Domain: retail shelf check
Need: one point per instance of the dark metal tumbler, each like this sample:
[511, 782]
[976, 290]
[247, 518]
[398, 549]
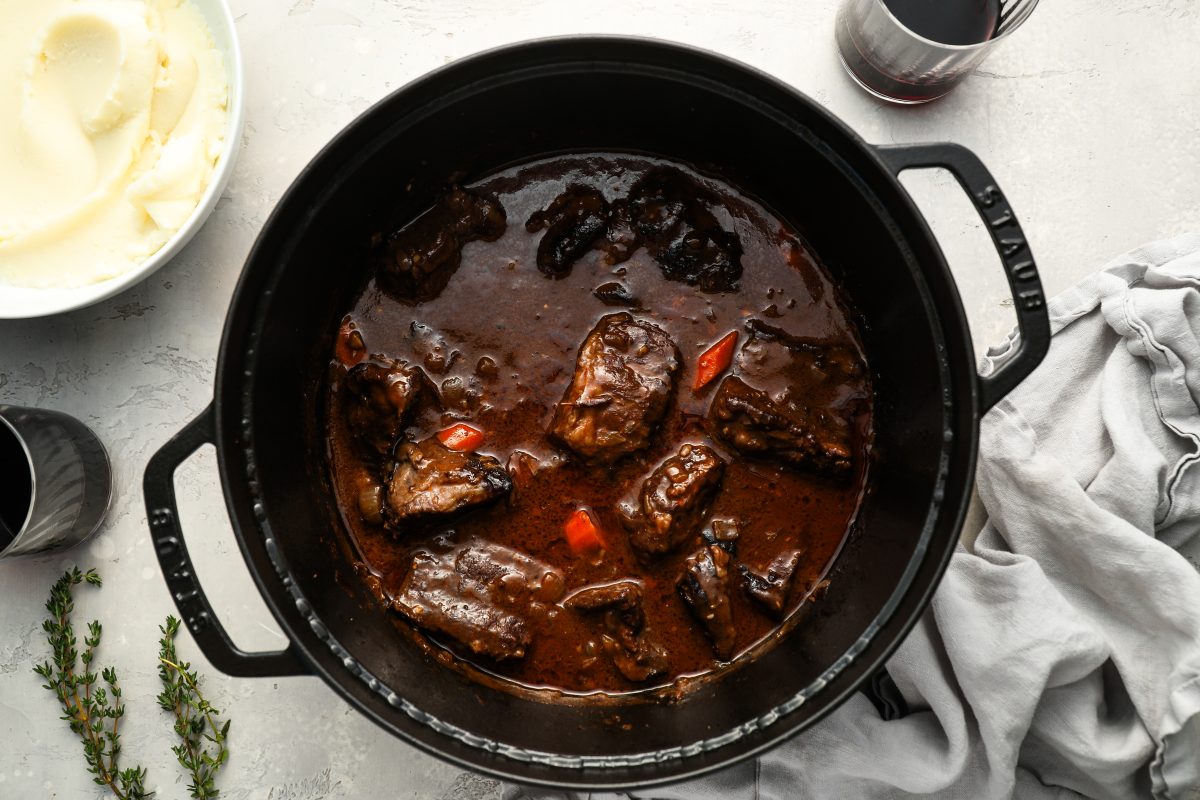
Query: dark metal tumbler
[55, 481]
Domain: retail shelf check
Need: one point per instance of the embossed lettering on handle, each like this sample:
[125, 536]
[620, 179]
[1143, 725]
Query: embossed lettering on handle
[179, 576]
[194, 608]
[1001, 223]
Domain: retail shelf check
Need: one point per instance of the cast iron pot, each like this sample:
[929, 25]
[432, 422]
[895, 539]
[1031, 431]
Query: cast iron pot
[522, 102]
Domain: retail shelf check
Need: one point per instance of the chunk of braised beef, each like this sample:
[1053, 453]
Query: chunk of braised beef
[770, 350]
[432, 596]
[383, 396]
[749, 421]
[510, 577]
[637, 657]
[623, 380]
[626, 642]
[574, 221]
[723, 533]
[673, 216]
[416, 262]
[708, 257]
[669, 213]
[772, 586]
[614, 293]
[674, 498]
[624, 596]
[773, 333]
[705, 587]
[478, 593]
[429, 480]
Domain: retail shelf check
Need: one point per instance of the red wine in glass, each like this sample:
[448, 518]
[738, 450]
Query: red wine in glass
[957, 22]
[912, 51]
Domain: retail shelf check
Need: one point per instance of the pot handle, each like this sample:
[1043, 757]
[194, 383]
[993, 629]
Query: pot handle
[158, 485]
[1032, 318]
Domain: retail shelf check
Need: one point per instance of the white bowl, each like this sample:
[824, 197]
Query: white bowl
[22, 303]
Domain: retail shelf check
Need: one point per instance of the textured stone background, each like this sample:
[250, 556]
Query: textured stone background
[1088, 117]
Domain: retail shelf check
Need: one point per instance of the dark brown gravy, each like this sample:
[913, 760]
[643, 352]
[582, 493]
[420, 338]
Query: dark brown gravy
[505, 330]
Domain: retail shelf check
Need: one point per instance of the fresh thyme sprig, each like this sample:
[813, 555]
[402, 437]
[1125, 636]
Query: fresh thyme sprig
[195, 718]
[93, 712]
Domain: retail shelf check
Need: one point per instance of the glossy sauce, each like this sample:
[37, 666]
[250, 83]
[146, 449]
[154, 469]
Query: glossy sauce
[509, 332]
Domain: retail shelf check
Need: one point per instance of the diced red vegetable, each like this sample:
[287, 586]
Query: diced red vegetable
[715, 359]
[461, 437]
[350, 347]
[581, 531]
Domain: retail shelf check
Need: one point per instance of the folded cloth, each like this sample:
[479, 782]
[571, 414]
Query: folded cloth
[1061, 654]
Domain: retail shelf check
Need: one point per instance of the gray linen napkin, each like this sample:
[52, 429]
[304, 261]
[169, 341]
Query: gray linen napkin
[1061, 654]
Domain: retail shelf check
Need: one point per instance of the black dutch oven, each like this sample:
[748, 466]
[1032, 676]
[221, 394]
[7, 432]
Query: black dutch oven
[522, 102]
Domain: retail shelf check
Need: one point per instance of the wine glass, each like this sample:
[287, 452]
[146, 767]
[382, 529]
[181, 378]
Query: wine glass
[914, 51]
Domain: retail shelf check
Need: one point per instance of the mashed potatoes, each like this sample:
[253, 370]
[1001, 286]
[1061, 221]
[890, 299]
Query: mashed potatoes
[112, 118]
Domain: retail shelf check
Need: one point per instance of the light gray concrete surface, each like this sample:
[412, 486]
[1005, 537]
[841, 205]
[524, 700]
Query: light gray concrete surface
[1087, 116]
